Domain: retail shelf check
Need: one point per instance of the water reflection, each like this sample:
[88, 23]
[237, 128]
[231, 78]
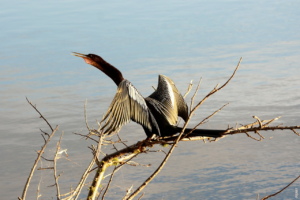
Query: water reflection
[181, 40]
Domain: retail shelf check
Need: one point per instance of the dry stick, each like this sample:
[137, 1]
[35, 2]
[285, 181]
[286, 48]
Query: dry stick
[205, 119]
[111, 177]
[217, 89]
[295, 132]
[187, 92]
[189, 89]
[100, 193]
[266, 197]
[40, 153]
[106, 162]
[82, 181]
[121, 140]
[54, 166]
[270, 121]
[177, 140]
[97, 152]
[38, 190]
[86, 122]
[41, 116]
[122, 164]
[253, 137]
[141, 196]
[45, 158]
[36, 162]
[192, 100]
[87, 171]
[44, 168]
[253, 129]
[87, 136]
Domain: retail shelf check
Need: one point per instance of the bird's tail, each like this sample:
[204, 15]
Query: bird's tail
[204, 132]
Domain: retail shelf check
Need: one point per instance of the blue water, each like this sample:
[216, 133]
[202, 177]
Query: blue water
[183, 40]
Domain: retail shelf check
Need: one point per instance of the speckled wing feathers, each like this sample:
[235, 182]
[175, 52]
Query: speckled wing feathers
[127, 104]
[168, 95]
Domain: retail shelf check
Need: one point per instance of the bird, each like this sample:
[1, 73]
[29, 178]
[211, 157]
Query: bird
[157, 113]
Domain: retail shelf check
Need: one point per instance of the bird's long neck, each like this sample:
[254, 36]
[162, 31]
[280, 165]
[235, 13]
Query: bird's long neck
[109, 70]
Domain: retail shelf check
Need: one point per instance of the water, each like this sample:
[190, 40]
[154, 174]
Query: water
[183, 40]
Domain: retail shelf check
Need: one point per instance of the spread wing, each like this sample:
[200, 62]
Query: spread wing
[170, 97]
[128, 104]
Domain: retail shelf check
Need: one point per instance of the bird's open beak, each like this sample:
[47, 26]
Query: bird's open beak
[79, 55]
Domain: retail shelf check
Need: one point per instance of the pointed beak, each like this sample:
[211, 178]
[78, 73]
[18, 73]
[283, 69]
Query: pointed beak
[79, 55]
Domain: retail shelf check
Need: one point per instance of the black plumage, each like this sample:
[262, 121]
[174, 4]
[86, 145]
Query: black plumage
[157, 114]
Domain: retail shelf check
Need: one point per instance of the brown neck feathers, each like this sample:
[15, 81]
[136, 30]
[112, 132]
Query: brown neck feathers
[109, 70]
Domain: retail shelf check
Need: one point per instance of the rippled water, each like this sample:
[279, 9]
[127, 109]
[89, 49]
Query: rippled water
[183, 40]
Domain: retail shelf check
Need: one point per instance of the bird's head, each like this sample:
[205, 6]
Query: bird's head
[102, 65]
[90, 59]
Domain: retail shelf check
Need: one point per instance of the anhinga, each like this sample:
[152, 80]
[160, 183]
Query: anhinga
[157, 114]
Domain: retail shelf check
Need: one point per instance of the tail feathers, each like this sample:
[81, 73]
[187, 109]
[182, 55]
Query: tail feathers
[205, 132]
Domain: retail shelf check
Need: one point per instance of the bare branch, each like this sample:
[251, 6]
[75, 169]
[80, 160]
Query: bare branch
[128, 191]
[87, 136]
[111, 177]
[258, 120]
[203, 121]
[192, 100]
[255, 129]
[44, 168]
[141, 196]
[252, 137]
[177, 140]
[295, 132]
[217, 89]
[266, 197]
[41, 116]
[189, 89]
[54, 166]
[36, 161]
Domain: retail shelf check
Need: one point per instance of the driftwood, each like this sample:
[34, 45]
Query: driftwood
[124, 156]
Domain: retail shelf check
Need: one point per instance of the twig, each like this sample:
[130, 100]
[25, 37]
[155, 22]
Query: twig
[54, 166]
[45, 158]
[266, 197]
[100, 193]
[44, 168]
[81, 182]
[86, 122]
[121, 140]
[128, 192]
[41, 116]
[192, 100]
[203, 121]
[258, 120]
[189, 89]
[87, 171]
[253, 129]
[141, 196]
[38, 190]
[217, 89]
[87, 136]
[252, 137]
[177, 140]
[39, 154]
[295, 132]
[111, 177]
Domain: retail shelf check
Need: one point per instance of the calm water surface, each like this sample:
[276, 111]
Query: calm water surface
[183, 40]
